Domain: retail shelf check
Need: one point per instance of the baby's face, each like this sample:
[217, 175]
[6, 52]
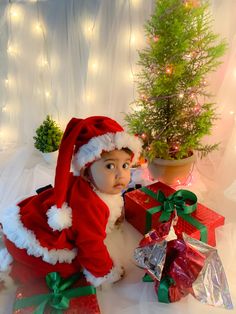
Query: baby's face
[111, 173]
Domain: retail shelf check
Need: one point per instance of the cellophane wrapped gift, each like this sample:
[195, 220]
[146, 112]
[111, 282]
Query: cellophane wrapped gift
[184, 266]
[150, 206]
[73, 295]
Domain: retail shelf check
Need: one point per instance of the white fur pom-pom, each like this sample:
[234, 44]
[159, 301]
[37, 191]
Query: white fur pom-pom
[60, 218]
[115, 274]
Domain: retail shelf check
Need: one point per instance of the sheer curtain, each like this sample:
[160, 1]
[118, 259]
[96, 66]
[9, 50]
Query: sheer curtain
[67, 58]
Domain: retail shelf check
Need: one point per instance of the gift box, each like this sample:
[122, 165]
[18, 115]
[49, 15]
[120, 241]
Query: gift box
[146, 207]
[56, 295]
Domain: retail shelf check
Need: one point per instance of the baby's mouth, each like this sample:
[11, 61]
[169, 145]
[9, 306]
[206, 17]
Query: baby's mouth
[119, 186]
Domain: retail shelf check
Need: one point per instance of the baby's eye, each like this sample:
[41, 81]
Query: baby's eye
[126, 165]
[110, 166]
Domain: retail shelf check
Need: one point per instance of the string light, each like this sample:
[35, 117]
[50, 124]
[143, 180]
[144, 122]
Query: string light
[88, 28]
[93, 66]
[13, 50]
[38, 28]
[4, 109]
[231, 112]
[42, 61]
[143, 136]
[169, 70]
[155, 38]
[181, 95]
[48, 94]
[135, 3]
[15, 14]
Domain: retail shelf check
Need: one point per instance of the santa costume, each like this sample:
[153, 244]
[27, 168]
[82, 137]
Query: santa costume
[63, 228]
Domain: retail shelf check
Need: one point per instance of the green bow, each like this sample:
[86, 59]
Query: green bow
[163, 290]
[59, 299]
[176, 201]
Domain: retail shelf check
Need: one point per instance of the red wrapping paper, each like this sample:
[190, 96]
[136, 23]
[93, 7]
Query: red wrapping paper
[183, 264]
[137, 203]
[81, 305]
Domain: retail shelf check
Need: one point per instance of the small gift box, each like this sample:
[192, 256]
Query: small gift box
[150, 206]
[73, 295]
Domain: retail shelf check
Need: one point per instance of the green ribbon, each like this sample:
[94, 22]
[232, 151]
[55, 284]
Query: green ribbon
[176, 201]
[59, 299]
[163, 289]
[147, 278]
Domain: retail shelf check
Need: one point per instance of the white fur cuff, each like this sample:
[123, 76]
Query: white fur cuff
[60, 218]
[114, 275]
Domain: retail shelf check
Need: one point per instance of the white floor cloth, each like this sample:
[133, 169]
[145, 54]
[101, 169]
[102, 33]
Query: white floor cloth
[131, 295]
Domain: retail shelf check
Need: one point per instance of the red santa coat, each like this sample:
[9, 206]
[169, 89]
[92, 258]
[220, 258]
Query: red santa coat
[37, 249]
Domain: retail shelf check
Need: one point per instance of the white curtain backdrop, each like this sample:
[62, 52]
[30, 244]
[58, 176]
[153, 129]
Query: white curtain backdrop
[78, 58]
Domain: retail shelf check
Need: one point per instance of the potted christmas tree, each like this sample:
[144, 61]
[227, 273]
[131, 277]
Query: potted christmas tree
[48, 138]
[172, 111]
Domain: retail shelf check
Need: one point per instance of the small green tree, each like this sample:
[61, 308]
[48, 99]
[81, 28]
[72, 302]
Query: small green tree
[48, 136]
[173, 111]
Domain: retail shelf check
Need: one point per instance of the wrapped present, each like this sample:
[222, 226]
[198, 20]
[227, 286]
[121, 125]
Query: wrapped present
[150, 206]
[184, 266]
[73, 295]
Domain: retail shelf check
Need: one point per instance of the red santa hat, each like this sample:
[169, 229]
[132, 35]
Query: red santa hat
[83, 142]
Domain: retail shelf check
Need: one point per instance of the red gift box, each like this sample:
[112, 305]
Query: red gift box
[200, 224]
[84, 304]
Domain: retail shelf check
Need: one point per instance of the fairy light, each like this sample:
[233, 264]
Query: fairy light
[231, 112]
[13, 50]
[4, 109]
[143, 136]
[135, 3]
[42, 61]
[89, 96]
[93, 66]
[88, 29]
[38, 28]
[48, 94]
[15, 14]
[155, 38]
[181, 95]
[169, 70]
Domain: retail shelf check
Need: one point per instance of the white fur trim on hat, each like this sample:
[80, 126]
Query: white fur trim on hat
[24, 238]
[5, 260]
[114, 275]
[60, 218]
[110, 141]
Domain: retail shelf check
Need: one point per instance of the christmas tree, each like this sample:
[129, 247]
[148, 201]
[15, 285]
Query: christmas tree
[48, 136]
[173, 111]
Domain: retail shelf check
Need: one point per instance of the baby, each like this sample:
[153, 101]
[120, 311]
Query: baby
[63, 228]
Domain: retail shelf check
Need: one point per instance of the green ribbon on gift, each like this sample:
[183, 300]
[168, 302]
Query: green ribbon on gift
[163, 289]
[175, 201]
[59, 299]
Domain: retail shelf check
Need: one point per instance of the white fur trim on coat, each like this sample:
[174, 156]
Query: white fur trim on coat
[23, 238]
[60, 218]
[110, 141]
[115, 203]
[5, 260]
[114, 275]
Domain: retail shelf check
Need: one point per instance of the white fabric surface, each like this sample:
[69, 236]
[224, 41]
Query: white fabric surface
[130, 295]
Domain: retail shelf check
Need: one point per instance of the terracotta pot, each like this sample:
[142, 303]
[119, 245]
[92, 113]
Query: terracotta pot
[172, 172]
[50, 158]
